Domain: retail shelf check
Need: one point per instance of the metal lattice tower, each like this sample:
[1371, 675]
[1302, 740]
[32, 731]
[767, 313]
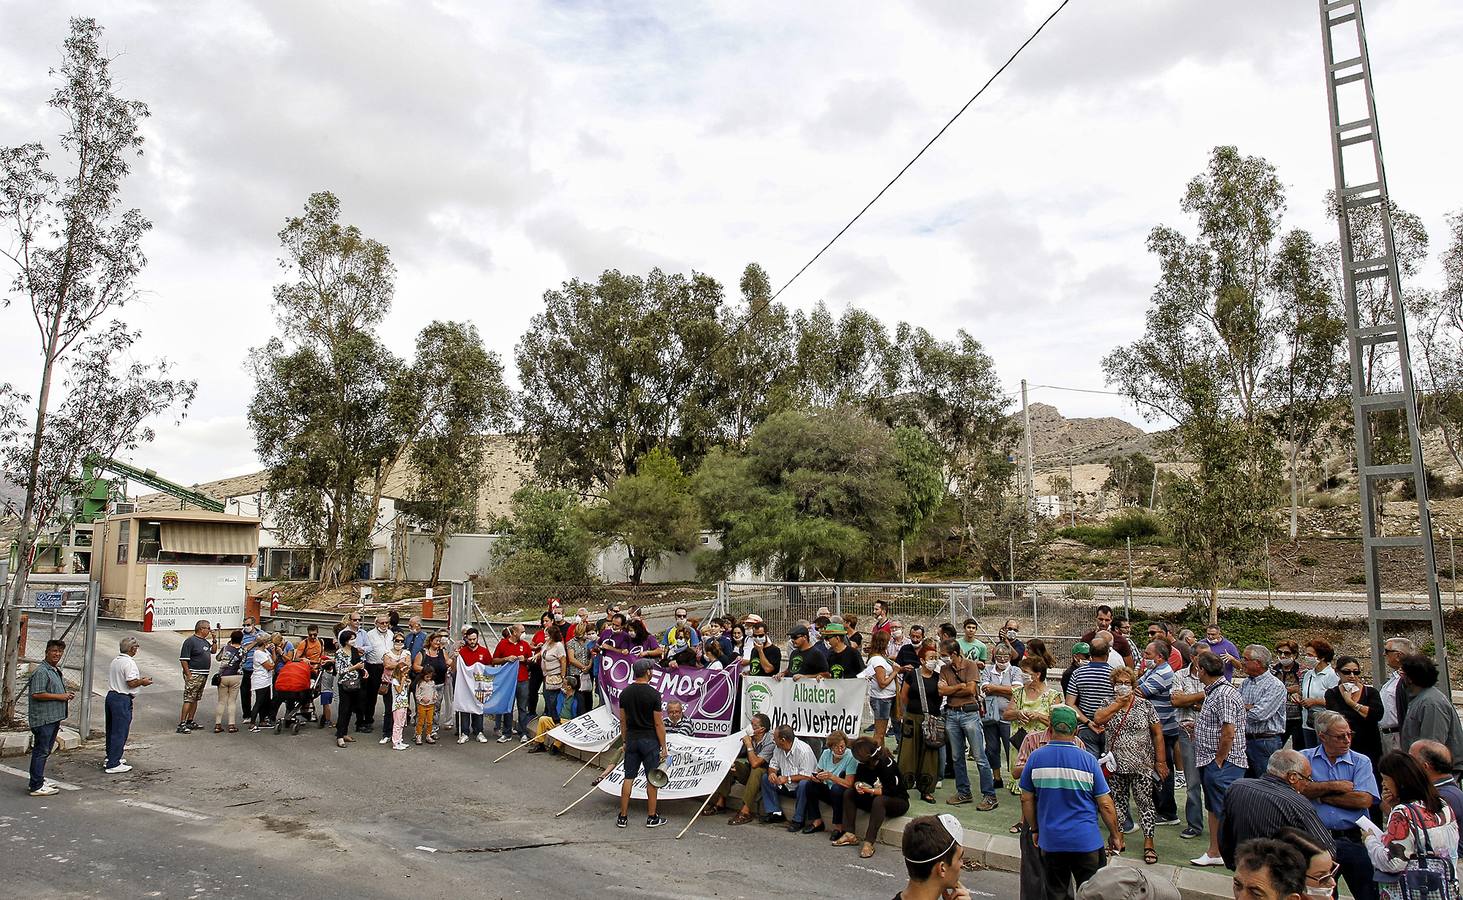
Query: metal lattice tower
[1361, 183]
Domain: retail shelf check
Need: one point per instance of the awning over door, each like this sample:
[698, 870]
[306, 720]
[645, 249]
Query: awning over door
[209, 539]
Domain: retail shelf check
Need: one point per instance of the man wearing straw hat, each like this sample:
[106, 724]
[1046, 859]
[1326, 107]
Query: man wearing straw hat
[643, 725]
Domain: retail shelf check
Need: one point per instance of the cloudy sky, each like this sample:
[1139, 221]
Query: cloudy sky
[501, 148]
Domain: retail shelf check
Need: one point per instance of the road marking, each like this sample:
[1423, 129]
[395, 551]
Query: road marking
[719, 837]
[867, 869]
[165, 810]
[428, 849]
[65, 786]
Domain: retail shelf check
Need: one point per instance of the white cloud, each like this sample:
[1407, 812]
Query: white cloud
[501, 148]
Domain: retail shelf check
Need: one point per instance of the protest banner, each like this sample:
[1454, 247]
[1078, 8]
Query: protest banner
[813, 708]
[485, 690]
[593, 731]
[696, 768]
[708, 695]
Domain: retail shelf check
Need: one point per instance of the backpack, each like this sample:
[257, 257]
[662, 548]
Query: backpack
[1428, 876]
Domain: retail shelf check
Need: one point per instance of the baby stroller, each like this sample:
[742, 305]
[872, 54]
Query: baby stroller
[292, 689]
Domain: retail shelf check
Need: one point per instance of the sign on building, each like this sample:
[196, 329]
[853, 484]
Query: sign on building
[178, 596]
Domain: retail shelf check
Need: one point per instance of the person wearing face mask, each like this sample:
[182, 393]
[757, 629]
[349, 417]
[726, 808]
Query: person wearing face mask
[919, 760]
[1286, 667]
[999, 680]
[1318, 678]
[1135, 750]
[1321, 868]
[762, 656]
[1360, 705]
[681, 640]
[1007, 637]
[250, 633]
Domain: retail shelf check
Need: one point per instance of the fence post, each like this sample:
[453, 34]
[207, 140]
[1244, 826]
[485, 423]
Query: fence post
[721, 606]
[88, 663]
[838, 600]
[1034, 595]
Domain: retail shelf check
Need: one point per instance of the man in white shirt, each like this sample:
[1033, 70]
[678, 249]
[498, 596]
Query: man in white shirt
[373, 644]
[1394, 693]
[123, 680]
[789, 772]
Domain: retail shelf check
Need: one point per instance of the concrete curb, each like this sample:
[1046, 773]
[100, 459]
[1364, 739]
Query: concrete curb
[1002, 852]
[18, 743]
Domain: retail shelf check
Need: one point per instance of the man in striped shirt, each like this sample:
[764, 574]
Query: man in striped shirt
[1062, 793]
[1261, 807]
[1089, 691]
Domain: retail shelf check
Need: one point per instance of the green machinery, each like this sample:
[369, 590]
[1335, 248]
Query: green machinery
[94, 492]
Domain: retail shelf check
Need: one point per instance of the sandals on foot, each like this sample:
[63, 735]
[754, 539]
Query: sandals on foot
[848, 840]
[1150, 856]
[866, 851]
[1015, 829]
[340, 742]
[233, 729]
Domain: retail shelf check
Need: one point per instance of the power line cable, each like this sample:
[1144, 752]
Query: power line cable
[754, 313]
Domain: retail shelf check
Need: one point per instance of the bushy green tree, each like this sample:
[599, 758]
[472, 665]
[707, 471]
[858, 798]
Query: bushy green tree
[548, 545]
[651, 512]
[816, 494]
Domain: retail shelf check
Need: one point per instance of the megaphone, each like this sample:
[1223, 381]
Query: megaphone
[659, 777]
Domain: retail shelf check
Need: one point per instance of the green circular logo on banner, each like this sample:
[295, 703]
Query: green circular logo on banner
[758, 696]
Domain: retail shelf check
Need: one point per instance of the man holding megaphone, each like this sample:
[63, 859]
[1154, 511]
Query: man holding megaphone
[643, 725]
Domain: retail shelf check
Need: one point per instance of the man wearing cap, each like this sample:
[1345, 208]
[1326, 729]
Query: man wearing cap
[1063, 792]
[1127, 883]
[643, 725]
[1080, 653]
[933, 852]
[1091, 689]
[805, 661]
[843, 661]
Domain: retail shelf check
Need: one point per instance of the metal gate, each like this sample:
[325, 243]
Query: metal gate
[61, 607]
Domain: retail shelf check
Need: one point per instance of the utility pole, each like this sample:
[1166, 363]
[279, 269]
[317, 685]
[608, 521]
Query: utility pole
[1153, 491]
[1030, 477]
[1071, 493]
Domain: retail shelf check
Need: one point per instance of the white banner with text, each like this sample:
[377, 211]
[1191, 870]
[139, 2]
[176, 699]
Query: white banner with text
[813, 708]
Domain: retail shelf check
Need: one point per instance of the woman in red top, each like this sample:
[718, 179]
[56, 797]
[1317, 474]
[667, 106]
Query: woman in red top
[513, 648]
[471, 652]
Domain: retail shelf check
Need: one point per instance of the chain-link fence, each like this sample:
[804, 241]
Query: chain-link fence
[1049, 609]
[59, 607]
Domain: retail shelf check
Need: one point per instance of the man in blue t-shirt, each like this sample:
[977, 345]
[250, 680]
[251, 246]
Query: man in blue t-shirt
[1062, 792]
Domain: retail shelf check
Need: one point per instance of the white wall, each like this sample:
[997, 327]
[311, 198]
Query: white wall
[464, 556]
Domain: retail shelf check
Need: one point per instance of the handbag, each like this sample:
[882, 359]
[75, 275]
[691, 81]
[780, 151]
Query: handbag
[1428, 876]
[932, 729]
[1108, 761]
[216, 677]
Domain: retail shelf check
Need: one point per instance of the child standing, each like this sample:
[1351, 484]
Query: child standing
[426, 709]
[327, 684]
[400, 700]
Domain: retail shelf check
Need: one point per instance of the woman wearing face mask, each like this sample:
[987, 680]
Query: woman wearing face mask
[1321, 867]
[1135, 752]
[1287, 668]
[1318, 678]
[1031, 705]
[1361, 706]
[919, 761]
[1421, 832]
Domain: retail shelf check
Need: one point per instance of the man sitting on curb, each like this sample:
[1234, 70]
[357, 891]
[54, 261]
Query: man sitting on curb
[759, 749]
[790, 772]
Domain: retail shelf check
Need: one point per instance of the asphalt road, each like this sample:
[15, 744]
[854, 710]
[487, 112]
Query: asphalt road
[209, 815]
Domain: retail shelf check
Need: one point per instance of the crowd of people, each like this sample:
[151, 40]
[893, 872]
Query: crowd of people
[1265, 739]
